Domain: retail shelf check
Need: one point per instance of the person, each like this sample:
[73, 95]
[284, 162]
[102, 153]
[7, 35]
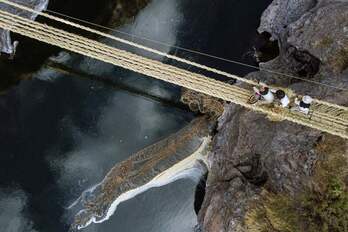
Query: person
[13, 53]
[264, 93]
[282, 98]
[304, 104]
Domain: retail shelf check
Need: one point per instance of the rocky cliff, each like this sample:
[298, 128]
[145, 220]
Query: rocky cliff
[278, 176]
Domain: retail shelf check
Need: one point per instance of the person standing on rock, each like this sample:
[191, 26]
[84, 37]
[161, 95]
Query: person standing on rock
[264, 94]
[304, 104]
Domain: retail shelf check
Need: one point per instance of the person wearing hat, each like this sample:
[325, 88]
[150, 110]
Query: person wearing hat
[304, 104]
[282, 98]
[264, 93]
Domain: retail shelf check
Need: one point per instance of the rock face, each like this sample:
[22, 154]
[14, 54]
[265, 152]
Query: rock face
[250, 153]
[280, 14]
[309, 32]
[331, 47]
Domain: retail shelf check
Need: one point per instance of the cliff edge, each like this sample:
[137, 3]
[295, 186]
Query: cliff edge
[278, 176]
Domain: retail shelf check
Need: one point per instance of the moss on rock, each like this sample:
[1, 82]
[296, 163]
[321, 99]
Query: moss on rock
[340, 62]
[321, 207]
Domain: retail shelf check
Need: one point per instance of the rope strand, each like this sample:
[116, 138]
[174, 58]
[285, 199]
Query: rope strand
[195, 52]
[154, 51]
[327, 117]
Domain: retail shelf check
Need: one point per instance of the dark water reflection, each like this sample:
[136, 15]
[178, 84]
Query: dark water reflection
[60, 135]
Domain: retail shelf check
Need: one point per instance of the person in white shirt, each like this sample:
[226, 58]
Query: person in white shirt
[304, 104]
[265, 94]
[282, 98]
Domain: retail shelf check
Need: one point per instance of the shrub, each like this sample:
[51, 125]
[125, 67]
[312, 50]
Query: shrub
[323, 208]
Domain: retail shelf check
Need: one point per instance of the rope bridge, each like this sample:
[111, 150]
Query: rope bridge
[327, 117]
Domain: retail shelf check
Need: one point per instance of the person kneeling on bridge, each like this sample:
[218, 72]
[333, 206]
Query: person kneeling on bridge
[282, 98]
[304, 104]
[264, 94]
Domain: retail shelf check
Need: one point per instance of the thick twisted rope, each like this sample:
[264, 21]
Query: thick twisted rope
[151, 50]
[160, 71]
[136, 45]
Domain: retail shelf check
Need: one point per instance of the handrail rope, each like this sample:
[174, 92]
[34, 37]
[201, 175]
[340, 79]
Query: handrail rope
[83, 40]
[165, 54]
[129, 43]
[146, 48]
[330, 129]
[63, 33]
[194, 51]
[211, 91]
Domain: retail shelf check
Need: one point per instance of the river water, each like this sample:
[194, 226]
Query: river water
[60, 134]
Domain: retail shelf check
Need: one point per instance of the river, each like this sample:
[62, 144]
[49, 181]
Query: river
[60, 134]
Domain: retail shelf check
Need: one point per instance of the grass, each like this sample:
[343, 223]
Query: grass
[340, 62]
[325, 42]
[323, 208]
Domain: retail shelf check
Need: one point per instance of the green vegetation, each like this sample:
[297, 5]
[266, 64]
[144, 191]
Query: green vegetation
[327, 211]
[340, 62]
[321, 208]
[325, 42]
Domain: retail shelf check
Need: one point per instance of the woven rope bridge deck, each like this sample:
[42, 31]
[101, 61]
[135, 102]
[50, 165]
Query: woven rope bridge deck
[327, 117]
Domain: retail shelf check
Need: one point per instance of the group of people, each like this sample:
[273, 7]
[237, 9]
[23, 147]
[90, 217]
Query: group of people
[266, 95]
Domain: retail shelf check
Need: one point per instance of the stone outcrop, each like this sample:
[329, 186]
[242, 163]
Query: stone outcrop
[309, 32]
[324, 34]
[250, 151]
[280, 14]
[252, 154]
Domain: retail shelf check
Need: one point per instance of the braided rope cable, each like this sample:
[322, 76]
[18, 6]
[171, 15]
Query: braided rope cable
[124, 41]
[196, 82]
[151, 50]
[79, 38]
